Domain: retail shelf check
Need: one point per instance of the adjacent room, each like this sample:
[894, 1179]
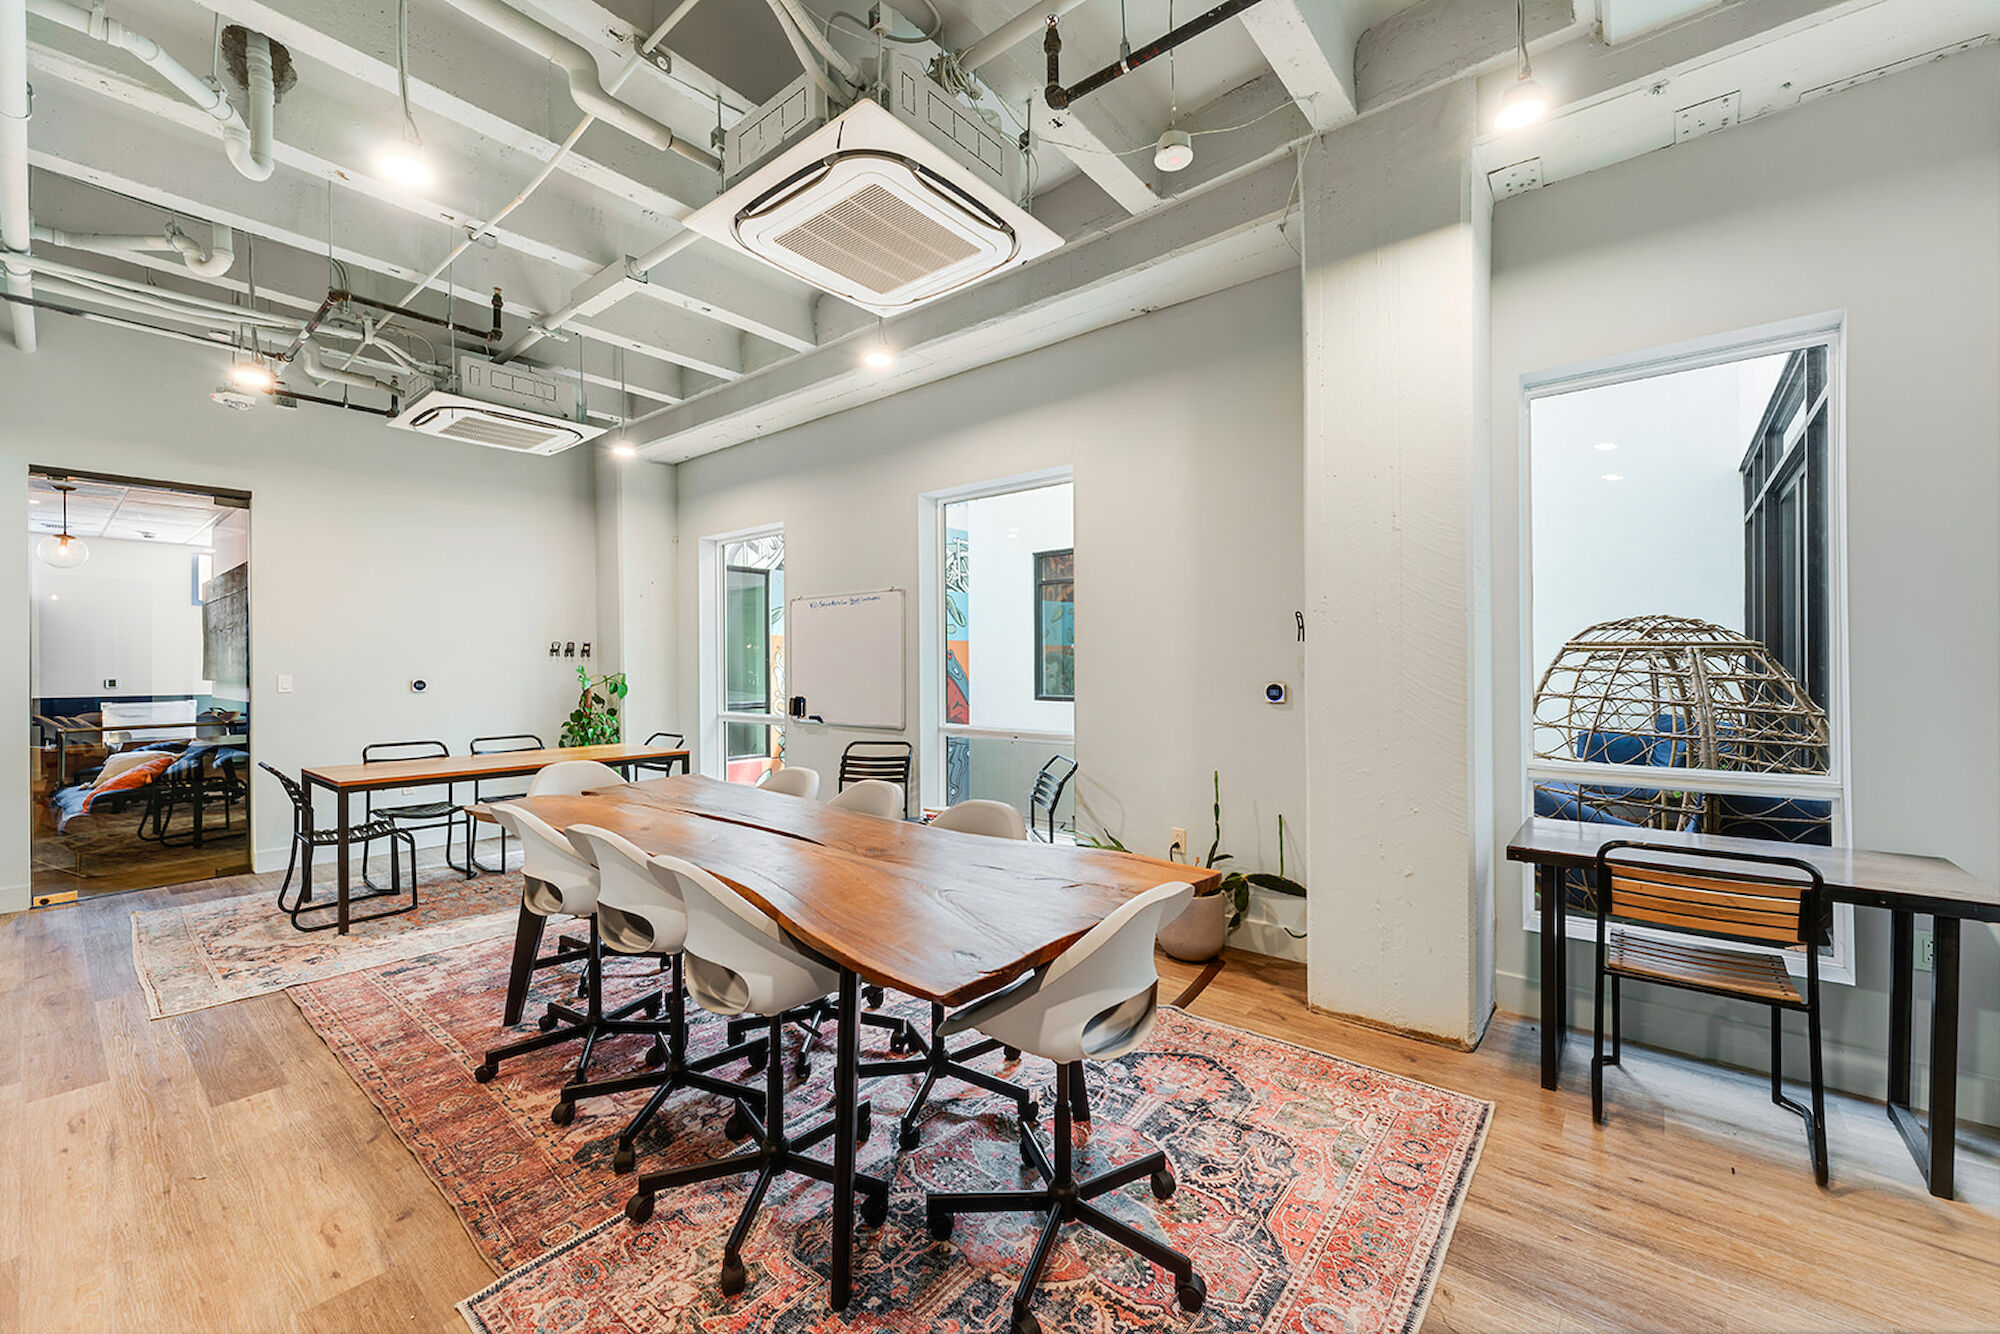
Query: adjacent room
[970, 667]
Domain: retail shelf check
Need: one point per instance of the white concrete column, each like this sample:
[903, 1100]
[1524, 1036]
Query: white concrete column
[1396, 383]
[637, 547]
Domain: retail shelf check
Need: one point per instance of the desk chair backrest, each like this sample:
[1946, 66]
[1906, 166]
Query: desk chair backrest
[573, 778]
[888, 761]
[497, 745]
[637, 912]
[1762, 900]
[1047, 793]
[558, 880]
[793, 780]
[993, 819]
[870, 796]
[302, 811]
[739, 961]
[674, 739]
[387, 752]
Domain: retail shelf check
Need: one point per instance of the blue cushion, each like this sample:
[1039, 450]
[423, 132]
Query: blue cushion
[1779, 819]
[1614, 748]
[1564, 801]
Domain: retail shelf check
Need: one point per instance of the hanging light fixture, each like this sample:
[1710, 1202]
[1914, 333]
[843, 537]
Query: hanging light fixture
[404, 163]
[1525, 101]
[64, 552]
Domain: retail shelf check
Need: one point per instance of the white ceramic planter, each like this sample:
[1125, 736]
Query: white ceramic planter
[1201, 930]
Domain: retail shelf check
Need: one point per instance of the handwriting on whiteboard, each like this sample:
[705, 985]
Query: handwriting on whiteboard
[847, 600]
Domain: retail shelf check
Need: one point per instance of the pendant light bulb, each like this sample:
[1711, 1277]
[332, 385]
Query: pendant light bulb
[1523, 105]
[63, 552]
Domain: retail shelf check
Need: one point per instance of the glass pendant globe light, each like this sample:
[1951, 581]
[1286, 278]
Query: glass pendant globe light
[64, 552]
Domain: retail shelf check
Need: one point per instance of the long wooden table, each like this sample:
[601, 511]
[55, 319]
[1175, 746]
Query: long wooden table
[344, 780]
[1902, 884]
[937, 914]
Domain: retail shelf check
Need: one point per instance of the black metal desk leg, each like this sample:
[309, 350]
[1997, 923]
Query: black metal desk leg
[1902, 946]
[1944, 1057]
[846, 1086]
[340, 855]
[1548, 883]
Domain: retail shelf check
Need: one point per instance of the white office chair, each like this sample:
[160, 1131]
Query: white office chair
[989, 819]
[556, 880]
[870, 796]
[740, 962]
[640, 913]
[1096, 1001]
[992, 819]
[794, 780]
[573, 778]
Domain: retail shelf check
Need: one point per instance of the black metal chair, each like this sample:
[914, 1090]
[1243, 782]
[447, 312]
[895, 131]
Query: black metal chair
[414, 816]
[886, 761]
[1688, 895]
[202, 776]
[305, 837]
[494, 745]
[667, 766]
[1047, 793]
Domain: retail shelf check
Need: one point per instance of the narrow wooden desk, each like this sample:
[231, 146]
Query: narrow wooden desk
[1903, 884]
[344, 780]
[949, 919]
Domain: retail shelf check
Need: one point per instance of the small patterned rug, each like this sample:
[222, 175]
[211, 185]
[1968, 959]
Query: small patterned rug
[201, 954]
[1315, 1194]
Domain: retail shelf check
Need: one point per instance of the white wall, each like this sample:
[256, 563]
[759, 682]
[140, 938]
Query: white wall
[376, 557]
[1882, 202]
[1002, 535]
[127, 614]
[1183, 430]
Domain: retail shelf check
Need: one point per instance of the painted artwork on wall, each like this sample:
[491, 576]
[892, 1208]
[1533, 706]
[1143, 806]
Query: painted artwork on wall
[957, 663]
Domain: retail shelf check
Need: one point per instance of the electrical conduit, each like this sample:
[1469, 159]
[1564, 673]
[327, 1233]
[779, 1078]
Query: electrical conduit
[211, 261]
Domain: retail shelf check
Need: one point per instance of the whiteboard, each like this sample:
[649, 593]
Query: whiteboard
[844, 653]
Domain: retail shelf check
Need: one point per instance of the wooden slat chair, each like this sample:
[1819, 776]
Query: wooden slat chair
[1704, 895]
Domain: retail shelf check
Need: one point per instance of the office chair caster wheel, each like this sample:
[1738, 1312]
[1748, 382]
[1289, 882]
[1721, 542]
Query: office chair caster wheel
[1163, 1187]
[1192, 1293]
[872, 996]
[563, 1112]
[738, 1125]
[899, 1042]
[1012, 1054]
[547, 1022]
[864, 1124]
[624, 1159]
[874, 1210]
[485, 1071]
[734, 1276]
[656, 1054]
[1024, 1322]
[938, 1224]
[639, 1208]
[1031, 1112]
[908, 1137]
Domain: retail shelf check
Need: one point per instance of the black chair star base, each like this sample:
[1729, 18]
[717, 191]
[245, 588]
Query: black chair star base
[673, 1074]
[562, 1023]
[305, 838]
[773, 1153]
[1066, 1200]
[903, 1035]
[936, 1062]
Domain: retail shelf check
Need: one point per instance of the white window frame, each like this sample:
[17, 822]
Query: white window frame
[932, 729]
[1828, 330]
[715, 654]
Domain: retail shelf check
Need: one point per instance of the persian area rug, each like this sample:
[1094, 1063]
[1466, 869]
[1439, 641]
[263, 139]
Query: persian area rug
[1314, 1194]
[203, 954]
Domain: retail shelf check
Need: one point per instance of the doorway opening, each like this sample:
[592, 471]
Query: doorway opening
[138, 682]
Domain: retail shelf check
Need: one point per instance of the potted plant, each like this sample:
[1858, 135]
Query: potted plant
[594, 720]
[1206, 924]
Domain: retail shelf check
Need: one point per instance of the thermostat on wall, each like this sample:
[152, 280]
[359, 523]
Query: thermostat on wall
[1276, 693]
[419, 686]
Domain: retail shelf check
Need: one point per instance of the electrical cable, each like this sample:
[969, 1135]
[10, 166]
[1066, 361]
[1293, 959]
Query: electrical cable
[1220, 129]
[411, 134]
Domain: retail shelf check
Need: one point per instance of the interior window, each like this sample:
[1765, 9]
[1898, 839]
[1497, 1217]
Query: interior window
[753, 668]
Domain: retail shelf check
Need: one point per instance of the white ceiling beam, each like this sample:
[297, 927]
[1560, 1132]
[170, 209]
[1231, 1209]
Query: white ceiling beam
[668, 86]
[1272, 122]
[1215, 240]
[1434, 42]
[640, 329]
[1310, 45]
[1092, 133]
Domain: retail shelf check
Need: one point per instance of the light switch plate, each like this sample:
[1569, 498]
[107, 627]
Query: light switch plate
[284, 685]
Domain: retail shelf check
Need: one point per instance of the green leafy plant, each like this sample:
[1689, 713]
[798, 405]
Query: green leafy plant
[1103, 838]
[1237, 884]
[594, 720]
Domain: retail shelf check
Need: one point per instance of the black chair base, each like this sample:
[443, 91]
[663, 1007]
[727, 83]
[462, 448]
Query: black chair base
[675, 1072]
[563, 1023]
[903, 1035]
[1066, 1200]
[773, 1154]
[937, 1062]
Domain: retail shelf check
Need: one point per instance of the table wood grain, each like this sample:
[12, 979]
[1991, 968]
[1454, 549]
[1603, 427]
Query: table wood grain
[498, 764]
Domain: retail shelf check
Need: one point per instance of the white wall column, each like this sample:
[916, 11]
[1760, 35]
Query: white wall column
[637, 546]
[1396, 400]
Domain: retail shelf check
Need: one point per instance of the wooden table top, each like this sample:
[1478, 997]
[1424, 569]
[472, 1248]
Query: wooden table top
[947, 917]
[1852, 875]
[499, 764]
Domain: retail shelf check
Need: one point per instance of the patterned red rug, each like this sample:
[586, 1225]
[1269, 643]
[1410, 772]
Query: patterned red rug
[1315, 1194]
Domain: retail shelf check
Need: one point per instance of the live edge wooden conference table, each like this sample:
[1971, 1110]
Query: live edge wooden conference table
[936, 914]
[344, 780]
[1901, 883]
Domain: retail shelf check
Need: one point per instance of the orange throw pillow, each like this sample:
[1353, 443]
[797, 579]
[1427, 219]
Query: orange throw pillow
[138, 776]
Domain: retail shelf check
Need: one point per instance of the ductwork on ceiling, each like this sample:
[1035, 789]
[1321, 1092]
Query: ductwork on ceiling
[210, 261]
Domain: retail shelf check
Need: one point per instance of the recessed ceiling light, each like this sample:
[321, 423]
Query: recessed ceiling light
[404, 166]
[1614, 477]
[1605, 445]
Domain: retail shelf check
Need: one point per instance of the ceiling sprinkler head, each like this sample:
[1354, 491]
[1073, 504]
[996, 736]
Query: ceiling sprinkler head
[1174, 151]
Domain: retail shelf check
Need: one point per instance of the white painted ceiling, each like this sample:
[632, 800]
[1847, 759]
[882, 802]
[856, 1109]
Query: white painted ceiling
[129, 513]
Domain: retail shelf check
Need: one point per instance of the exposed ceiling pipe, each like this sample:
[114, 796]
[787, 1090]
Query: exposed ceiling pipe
[211, 261]
[249, 146]
[172, 305]
[321, 373]
[805, 55]
[1059, 97]
[1012, 33]
[581, 67]
[635, 271]
[238, 139]
[836, 60]
[16, 226]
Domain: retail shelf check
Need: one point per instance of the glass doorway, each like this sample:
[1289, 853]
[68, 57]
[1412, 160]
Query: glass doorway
[139, 696]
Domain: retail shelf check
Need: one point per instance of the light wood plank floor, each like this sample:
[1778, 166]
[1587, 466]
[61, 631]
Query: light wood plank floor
[218, 1172]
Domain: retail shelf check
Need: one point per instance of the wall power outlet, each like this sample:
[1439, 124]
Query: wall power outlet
[1178, 847]
[1926, 952]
